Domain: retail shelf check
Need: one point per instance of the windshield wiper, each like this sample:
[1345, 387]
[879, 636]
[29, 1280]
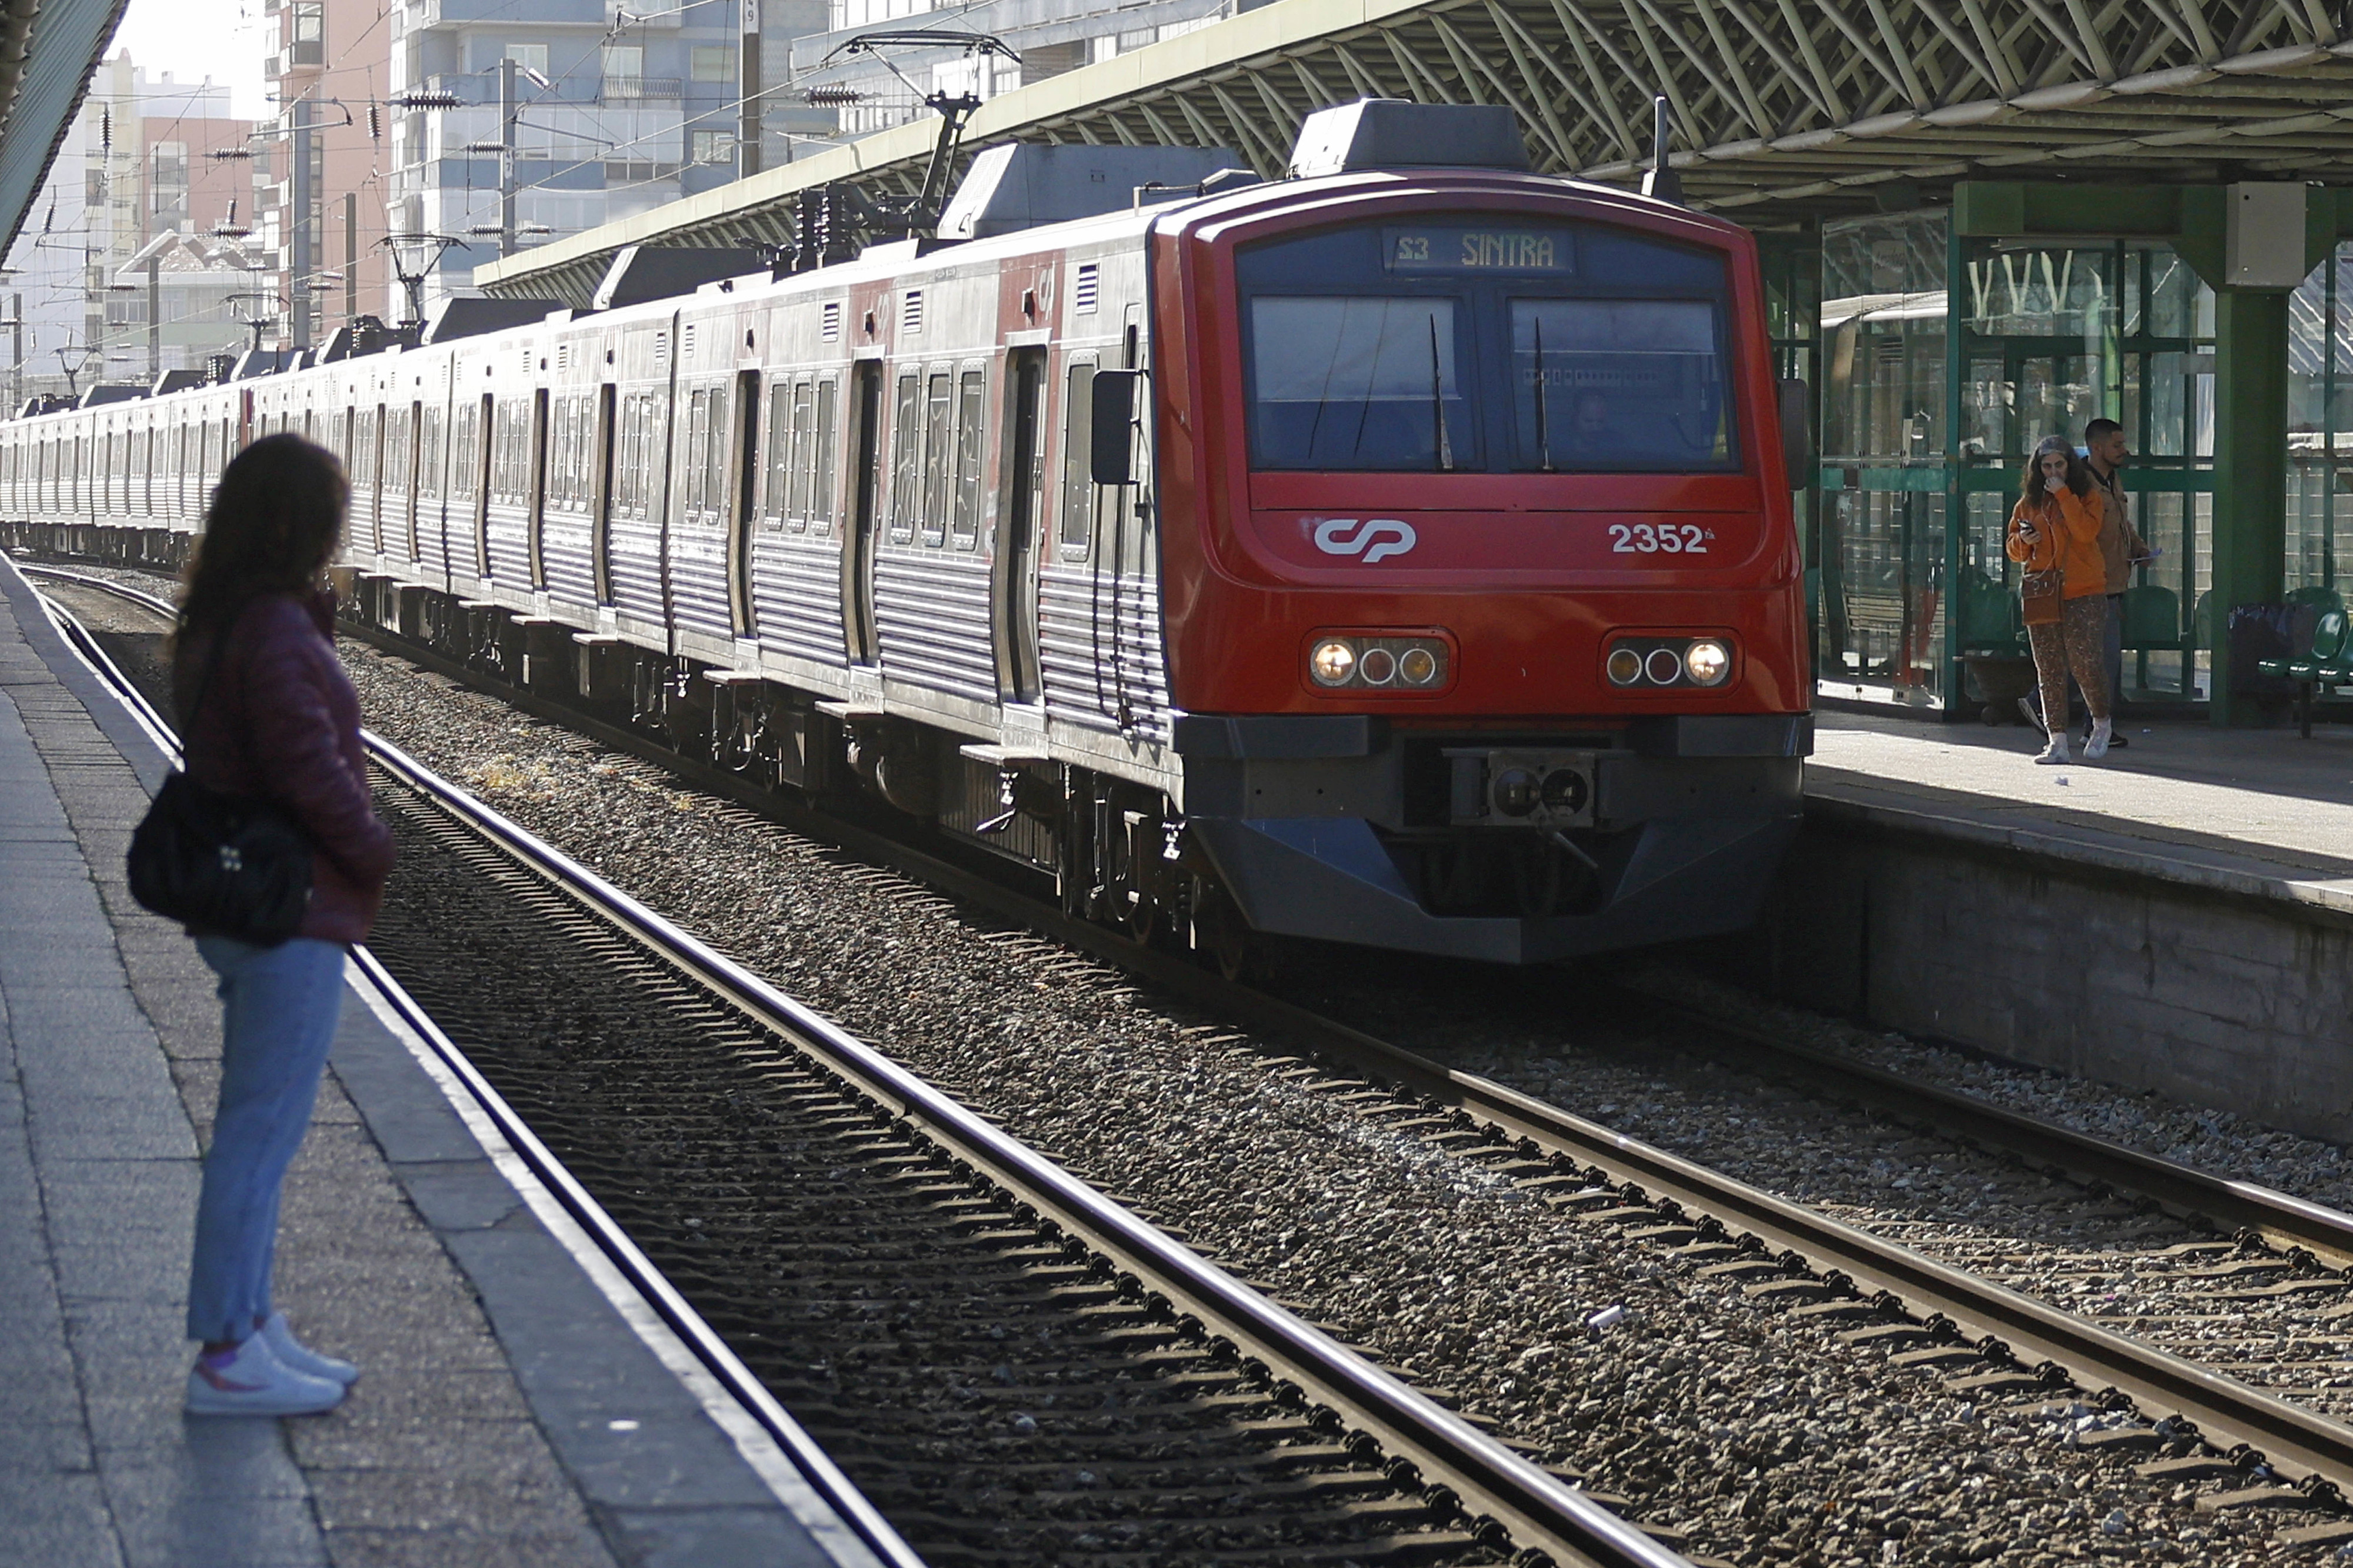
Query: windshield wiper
[1544, 424]
[1445, 453]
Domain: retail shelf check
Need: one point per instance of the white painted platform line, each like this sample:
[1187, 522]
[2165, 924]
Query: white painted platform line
[785, 1475]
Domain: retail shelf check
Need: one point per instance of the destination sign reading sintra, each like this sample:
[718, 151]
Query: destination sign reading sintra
[1547, 251]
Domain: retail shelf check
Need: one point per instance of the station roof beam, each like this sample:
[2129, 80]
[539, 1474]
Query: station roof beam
[1782, 110]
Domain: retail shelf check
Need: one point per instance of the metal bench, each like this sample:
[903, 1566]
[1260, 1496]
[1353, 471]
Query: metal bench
[2322, 666]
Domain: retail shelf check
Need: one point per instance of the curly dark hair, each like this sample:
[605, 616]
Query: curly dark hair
[275, 520]
[2079, 472]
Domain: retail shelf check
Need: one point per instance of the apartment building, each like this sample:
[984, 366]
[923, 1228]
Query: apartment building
[330, 69]
[131, 260]
[1049, 38]
[615, 111]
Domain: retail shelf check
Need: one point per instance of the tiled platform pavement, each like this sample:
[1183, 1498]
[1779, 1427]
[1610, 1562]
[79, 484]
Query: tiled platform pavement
[2237, 806]
[508, 1414]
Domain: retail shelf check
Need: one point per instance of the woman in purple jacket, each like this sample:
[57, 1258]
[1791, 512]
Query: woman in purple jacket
[268, 714]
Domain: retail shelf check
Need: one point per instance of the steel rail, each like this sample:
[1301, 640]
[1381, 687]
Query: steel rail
[816, 1468]
[1535, 1506]
[2298, 1442]
[2282, 1219]
[1485, 1477]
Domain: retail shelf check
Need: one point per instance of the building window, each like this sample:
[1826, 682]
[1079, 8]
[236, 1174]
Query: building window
[714, 63]
[624, 63]
[310, 21]
[530, 57]
[714, 147]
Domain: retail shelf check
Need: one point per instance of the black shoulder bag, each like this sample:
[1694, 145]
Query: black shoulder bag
[222, 864]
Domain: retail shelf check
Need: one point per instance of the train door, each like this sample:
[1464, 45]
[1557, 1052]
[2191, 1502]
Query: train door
[743, 500]
[479, 478]
[857, 550]
[535, 497]
[600, 535]
[1016, 553]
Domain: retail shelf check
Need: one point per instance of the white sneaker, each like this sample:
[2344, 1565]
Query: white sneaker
[2026, 708]
[2097, 746]
[248, 1381]
[2056, 751]
[295, 1356]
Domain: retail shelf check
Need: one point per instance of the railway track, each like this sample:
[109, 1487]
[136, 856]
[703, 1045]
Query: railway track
[1012, 1366]
[1997, 1342]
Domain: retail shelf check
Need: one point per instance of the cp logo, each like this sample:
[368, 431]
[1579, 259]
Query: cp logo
[1376, 540]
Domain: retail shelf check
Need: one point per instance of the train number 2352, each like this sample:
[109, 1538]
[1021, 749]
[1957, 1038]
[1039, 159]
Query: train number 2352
[1650, 539]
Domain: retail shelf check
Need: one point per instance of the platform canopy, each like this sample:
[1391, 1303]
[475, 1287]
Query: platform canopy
[48, 50]
[1781, 109]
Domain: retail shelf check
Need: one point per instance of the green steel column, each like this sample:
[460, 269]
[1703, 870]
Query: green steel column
[2250, 472]
[1953, 686]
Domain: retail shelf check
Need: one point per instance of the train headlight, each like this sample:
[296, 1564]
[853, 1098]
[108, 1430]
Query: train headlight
[1383, 663]
[1707, 662]
[1664, 666]
[1625, 667]
[1332, 661]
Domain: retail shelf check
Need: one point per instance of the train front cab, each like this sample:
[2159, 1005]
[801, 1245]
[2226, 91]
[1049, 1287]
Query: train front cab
[1450, 449]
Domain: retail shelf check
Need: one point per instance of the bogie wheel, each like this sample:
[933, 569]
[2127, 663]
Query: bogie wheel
[1221, 937]
[1143, 916]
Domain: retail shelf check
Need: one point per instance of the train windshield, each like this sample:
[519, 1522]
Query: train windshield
[1359, 381]
[1619, 384]
[1473, 342]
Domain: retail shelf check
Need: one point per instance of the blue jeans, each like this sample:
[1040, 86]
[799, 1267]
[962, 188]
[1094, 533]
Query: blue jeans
[279, 1006]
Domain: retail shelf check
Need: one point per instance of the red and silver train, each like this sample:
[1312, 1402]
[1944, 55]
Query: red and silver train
[1398, 554]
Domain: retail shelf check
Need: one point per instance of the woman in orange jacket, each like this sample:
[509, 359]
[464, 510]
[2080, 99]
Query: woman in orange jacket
[2056, 530]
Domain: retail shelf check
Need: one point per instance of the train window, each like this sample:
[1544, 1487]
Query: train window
[972, 389]
[938, 434]
[780, 428]
[1078, 443]
[583, 452]
[698, 453]
[1357, 383]
[563, 444]
[558, 455]
[510, 453]
[428, 454]
[906, 458]
[1619, 384]
[626, 470]
[802, 459]
[465, 452]
[822, 496]
[399, 456]
[364, 458]
[642, 489]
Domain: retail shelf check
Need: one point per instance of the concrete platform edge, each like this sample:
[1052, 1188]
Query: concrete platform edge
[694, 1481]
[750, 1441]
[2076, 853]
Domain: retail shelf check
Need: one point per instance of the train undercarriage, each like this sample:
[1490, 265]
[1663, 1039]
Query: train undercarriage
[1344, 833]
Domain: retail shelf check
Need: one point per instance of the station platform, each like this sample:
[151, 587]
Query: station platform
[515, 1407]
[2258, 811]
[2174, 919]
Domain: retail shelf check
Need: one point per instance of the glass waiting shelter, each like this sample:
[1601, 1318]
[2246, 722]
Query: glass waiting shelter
[1944, 360]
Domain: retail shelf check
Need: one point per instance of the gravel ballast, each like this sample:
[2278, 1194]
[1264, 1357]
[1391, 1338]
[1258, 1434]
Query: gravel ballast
[1760, 1436]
